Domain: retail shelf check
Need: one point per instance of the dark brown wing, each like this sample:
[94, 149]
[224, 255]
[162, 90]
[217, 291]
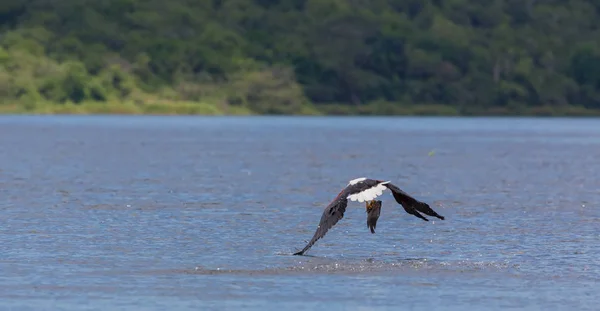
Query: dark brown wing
[373, 211]
[331, 215]
[412, 205]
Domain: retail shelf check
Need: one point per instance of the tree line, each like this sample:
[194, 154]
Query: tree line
[465, 57]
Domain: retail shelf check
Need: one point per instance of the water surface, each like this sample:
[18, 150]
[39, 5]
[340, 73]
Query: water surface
[188, 213]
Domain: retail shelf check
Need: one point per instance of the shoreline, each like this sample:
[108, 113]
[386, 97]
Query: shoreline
[205, 109]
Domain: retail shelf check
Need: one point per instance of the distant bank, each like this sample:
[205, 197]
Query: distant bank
[200, 108]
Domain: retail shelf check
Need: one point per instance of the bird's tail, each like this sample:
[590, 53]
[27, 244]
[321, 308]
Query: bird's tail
[373, 212]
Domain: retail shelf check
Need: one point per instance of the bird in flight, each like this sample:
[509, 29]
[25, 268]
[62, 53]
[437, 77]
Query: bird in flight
[366, 190]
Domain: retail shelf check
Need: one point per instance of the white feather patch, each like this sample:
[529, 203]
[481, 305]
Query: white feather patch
[368, 194]
[356, 181]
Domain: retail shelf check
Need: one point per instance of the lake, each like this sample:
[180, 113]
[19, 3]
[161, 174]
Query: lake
[203, 213]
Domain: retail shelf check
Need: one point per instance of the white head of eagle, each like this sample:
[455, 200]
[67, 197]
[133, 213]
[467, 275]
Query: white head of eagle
[366, 190]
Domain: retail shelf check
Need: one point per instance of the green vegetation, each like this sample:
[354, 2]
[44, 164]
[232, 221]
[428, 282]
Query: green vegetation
[451, 57]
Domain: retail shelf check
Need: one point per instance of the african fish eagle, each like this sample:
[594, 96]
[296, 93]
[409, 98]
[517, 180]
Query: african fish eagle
[366, 190]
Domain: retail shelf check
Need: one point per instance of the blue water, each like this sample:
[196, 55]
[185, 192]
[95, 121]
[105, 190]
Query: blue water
[189, 213]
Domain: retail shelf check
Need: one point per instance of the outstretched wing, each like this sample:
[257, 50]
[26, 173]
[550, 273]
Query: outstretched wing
[412, 205]
[331, 215]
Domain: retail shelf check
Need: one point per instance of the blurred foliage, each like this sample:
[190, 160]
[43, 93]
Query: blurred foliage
[301, 56]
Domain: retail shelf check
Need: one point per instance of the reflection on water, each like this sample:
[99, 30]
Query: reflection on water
[184, 213]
